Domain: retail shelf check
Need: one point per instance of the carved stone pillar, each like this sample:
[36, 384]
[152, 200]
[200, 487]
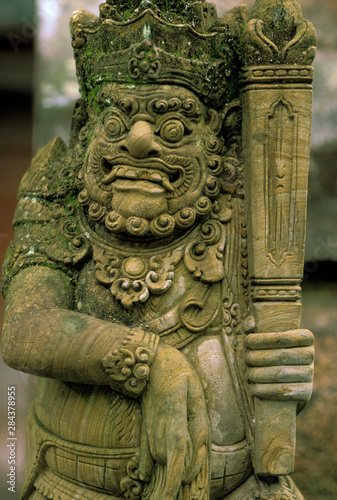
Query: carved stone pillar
[279, 47]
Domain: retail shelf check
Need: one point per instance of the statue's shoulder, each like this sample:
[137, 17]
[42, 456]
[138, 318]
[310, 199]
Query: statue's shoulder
[47, 191]
[46, 222]
[46, 174]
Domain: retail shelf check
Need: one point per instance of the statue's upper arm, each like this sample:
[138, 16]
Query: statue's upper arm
[40, 287]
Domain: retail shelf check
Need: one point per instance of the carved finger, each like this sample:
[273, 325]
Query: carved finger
[282, 392]
[145, 465]
[280, 357]
[199, 432]
[276, 374]
[277, 340]
[175, 463]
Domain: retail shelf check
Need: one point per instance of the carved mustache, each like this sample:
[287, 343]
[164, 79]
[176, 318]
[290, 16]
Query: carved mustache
[170, 173]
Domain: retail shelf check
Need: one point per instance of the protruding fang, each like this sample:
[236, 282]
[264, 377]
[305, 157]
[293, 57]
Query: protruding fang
[110, 177]
[167, 185]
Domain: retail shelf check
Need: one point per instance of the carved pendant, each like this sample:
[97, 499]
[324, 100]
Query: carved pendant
[133, 279]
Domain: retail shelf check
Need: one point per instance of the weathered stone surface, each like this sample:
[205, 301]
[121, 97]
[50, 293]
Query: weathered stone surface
[153, 282]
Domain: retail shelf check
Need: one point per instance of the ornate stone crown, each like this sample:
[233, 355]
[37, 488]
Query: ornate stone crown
[183, 44]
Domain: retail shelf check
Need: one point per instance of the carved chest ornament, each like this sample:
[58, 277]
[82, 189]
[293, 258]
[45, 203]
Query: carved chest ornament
[133, 279]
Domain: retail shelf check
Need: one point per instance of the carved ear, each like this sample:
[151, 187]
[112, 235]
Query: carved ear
[93, 110]
[231, 118]
[213, 120]
[79, 120]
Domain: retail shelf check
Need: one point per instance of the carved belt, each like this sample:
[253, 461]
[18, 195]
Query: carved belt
[53, 486]
[101, 469]
[230, 467]
[74, 466]
[104, 469]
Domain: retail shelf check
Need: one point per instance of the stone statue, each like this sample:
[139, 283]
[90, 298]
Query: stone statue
[153, 282]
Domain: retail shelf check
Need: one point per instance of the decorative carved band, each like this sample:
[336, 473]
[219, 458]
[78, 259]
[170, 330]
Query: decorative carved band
[275, 290]
[276, 293]
[275, 282]
[279, 74]
[128, 368]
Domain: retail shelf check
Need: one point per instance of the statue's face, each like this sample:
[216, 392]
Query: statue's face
[146, 161]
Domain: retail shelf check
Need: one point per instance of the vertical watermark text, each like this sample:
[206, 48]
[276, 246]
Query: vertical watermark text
[11, 438]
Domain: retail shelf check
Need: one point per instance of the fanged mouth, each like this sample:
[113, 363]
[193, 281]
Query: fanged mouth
[174, 174]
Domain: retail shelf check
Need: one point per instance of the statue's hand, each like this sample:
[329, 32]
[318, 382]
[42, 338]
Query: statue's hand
[175, 435]
[281, 365]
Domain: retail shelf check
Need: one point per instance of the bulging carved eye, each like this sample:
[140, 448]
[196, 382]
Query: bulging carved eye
[172, 131]
[114, 126]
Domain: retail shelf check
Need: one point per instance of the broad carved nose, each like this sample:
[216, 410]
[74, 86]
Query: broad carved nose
[140, 142]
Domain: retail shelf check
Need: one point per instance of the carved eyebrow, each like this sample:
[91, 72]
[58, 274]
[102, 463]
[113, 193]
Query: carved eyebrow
[188, 106]
[133, 104]
[128, 105]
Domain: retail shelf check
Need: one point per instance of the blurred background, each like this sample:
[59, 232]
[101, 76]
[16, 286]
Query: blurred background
[38, 88]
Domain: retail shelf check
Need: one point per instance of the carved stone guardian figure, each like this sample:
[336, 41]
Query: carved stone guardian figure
[153, 282]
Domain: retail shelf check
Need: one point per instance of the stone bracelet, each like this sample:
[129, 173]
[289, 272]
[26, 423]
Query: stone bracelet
[128, 367]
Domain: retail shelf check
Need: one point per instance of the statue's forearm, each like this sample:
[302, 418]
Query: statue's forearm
[43, 336]
[60, 344]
